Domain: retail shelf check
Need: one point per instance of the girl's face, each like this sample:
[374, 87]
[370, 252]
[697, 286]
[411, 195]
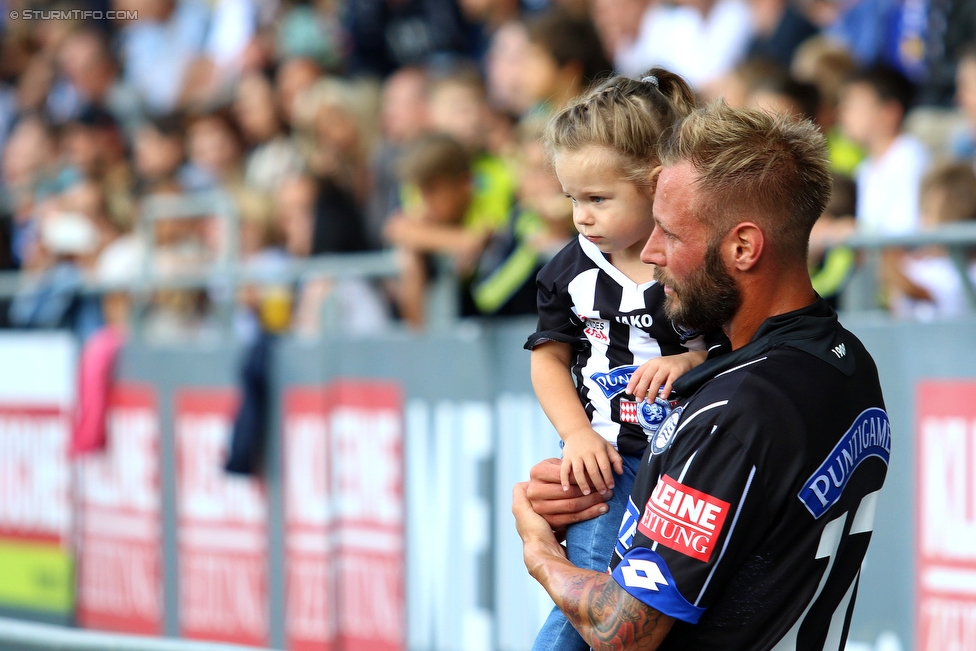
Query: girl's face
[609, 211]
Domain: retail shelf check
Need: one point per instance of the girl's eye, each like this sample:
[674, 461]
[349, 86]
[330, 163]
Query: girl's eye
[597, 199]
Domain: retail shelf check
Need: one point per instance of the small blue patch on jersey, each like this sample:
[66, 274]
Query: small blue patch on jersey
[646, 577]
[651, 413]
[628, 527]
[868, 436]
[662, 439]
[615, 381]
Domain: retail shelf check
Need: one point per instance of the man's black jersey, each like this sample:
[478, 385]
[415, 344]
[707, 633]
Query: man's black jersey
[614, 325]
[755, 501]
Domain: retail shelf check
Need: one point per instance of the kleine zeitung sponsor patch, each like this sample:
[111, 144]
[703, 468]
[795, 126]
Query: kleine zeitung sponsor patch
[683, 519]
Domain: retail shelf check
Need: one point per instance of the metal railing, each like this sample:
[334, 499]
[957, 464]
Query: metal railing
[958, 239]
[17, 635]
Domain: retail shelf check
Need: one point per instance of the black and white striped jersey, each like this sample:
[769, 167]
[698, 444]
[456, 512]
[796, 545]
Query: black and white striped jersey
[755, 501]
[614, 325]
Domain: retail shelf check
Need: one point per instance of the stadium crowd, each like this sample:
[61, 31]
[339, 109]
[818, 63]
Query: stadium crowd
[415, 125]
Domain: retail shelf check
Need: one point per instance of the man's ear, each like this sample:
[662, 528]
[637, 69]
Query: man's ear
[746, 243]
[652, 178]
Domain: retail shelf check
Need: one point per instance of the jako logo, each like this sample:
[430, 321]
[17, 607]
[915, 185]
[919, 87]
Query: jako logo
[615, 381]
[683, 519]
[840, 351]
[636, 320]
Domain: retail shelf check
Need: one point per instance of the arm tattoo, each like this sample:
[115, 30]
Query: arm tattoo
[608, 618]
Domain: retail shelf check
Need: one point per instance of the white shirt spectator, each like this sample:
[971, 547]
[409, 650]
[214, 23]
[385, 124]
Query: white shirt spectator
[888, 187]
[700, 48]
[939, 276]
[156, 54]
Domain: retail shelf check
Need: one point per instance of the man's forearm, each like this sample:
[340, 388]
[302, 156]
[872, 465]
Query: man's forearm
[605, 615]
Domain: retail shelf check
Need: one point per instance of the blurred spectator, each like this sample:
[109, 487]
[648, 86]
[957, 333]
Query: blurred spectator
[831, 264]
[827, 65]
[158, 154]
[563, 58]
[484, 18]
[313, 30]
[541, 224]
[338, 121]
[272, 155]
[779, 28]
[31, 174]
[503, 69]
[701, 40]
[741, 81]
[72, 230]
[294, 76]
[963, 143]
[873, 107]
[388, 35]
[91, 79]
[786, 96]
[93, 146]
[619, 23]
[926, 285]
[158, 48]
[215, 153]
[404, 115]
[446, 223]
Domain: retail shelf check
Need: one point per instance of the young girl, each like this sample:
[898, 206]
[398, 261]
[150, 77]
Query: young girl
[604, 346]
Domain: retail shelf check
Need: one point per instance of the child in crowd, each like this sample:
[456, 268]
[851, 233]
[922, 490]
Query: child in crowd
[601, 313]
[563, 58]
[540, 226]
[873, 107]
[926, 285]
[827, 64]
[447, 220]
[459, 107]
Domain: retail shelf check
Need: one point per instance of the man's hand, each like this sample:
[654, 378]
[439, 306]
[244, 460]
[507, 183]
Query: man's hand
[560, 508]
[604, 614]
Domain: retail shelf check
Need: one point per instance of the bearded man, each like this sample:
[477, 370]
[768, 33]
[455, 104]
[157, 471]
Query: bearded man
[755, 501]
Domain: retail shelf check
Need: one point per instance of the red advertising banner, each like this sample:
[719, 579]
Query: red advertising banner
[222, 527]
[946, 517]
[344, 511]
[34, 473]
[119, 582]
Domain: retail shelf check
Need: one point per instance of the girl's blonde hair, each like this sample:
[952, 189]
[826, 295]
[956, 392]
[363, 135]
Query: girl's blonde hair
[627, 117]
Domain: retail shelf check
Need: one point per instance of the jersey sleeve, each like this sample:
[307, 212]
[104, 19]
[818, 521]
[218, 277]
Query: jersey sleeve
[693, 523]
[557, 320]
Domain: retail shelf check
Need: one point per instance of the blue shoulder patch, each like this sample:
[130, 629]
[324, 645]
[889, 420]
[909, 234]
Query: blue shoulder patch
[868, 436]
[646, 577]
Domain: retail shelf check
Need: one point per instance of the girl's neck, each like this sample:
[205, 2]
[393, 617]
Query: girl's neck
[629, 263]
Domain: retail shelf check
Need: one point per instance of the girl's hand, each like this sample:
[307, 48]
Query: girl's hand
[586, 454]
[662, 372]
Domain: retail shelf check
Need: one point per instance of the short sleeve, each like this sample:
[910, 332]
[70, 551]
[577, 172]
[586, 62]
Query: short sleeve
[691, 534]
[557, 321]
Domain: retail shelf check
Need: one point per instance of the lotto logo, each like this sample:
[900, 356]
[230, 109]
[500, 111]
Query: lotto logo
[639, 573]
[628, 411]
[683, 519]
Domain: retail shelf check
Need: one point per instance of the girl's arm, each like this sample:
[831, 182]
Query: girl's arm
[585, 452]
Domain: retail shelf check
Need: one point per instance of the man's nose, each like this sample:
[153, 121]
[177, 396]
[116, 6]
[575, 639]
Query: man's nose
[653, 251]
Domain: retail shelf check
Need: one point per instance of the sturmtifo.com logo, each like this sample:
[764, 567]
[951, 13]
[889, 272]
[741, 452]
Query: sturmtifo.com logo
[73, 14]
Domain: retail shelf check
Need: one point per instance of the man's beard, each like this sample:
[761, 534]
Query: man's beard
[707, 300]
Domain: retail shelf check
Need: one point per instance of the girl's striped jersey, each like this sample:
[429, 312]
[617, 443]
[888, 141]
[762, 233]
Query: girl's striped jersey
[614, 326]
[754, 504]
